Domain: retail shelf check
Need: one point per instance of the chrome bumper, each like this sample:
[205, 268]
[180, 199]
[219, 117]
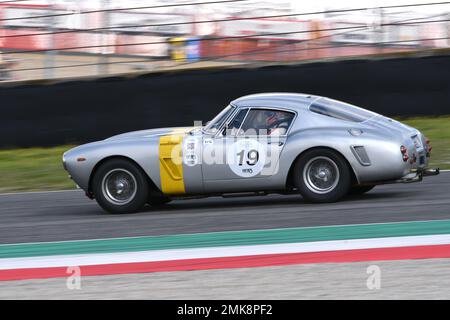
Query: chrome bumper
[431, 172]
[417, 175]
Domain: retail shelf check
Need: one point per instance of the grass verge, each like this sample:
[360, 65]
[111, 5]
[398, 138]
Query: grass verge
[437, 129]
[33, 169]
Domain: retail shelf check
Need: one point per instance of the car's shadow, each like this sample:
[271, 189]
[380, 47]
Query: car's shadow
[177, 206]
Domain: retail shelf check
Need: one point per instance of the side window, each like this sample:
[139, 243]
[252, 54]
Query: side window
[235, 124]
[266, 122]
[340, 110]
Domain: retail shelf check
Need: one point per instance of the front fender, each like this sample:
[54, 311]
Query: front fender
[142, 151]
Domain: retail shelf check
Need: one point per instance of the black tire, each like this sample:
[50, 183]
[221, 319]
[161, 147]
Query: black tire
[359, 190]
[158, 201]
[120, 172]
[332, 174]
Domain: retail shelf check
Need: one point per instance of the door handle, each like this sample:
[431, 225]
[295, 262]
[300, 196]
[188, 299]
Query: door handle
[280, 143]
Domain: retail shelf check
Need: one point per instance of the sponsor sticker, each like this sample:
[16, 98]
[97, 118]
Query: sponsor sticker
[208, 141]
[190, 156]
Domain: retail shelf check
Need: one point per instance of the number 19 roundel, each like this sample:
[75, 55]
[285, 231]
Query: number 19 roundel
[246, 157]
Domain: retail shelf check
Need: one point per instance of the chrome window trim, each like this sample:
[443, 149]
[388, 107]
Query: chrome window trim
[243, 120]
[275, 109]
[235, 108]
[218, 133]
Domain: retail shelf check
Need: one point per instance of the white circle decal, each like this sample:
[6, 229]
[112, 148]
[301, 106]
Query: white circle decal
[246, 157]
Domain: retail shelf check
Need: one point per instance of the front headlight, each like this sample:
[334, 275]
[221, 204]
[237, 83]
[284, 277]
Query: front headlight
[64, 161]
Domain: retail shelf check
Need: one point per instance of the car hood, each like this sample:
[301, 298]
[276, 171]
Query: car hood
[150, 133]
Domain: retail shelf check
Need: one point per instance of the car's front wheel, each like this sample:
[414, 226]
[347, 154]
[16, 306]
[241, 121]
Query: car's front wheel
[322, 175]
[120, 186]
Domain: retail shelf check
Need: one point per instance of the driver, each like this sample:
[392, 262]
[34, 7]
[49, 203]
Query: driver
[277, 123]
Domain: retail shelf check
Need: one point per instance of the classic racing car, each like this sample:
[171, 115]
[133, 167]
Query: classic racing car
[319, 148]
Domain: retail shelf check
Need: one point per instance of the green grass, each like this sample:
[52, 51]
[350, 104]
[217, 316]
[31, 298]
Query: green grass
[35, 169]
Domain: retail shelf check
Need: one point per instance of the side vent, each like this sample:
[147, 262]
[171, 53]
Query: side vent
[361, 155]
[170, 164]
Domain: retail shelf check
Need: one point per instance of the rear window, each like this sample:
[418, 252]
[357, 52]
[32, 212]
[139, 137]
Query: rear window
[340, 110]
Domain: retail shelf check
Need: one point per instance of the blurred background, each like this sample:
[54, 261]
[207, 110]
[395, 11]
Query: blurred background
[43, 39]
[77, 71]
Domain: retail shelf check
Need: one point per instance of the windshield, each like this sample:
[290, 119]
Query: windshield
[218, 120]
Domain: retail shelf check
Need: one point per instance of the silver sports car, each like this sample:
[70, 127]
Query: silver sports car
[314, 146]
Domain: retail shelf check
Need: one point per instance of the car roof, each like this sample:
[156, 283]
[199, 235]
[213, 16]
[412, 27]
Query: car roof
[276, 99]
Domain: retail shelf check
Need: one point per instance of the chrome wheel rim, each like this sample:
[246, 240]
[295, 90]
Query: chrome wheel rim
[119, 186]
[321, 174]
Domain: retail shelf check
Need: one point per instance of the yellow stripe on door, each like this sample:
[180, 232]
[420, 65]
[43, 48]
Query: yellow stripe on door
[171, 164]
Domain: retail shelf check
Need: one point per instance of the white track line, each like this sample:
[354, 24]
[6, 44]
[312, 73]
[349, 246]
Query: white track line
[39, 192]
[214, 252]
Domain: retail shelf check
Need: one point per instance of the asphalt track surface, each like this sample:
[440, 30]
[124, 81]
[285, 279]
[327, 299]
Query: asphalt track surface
[69, 215]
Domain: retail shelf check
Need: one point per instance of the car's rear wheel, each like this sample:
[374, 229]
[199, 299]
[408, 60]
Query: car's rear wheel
[322, 175]
[358, 190]
[120, 186]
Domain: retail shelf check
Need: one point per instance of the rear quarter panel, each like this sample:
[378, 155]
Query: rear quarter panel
[323, 132]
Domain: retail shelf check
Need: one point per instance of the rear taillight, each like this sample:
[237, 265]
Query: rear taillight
[429, 148]
[404, 152]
